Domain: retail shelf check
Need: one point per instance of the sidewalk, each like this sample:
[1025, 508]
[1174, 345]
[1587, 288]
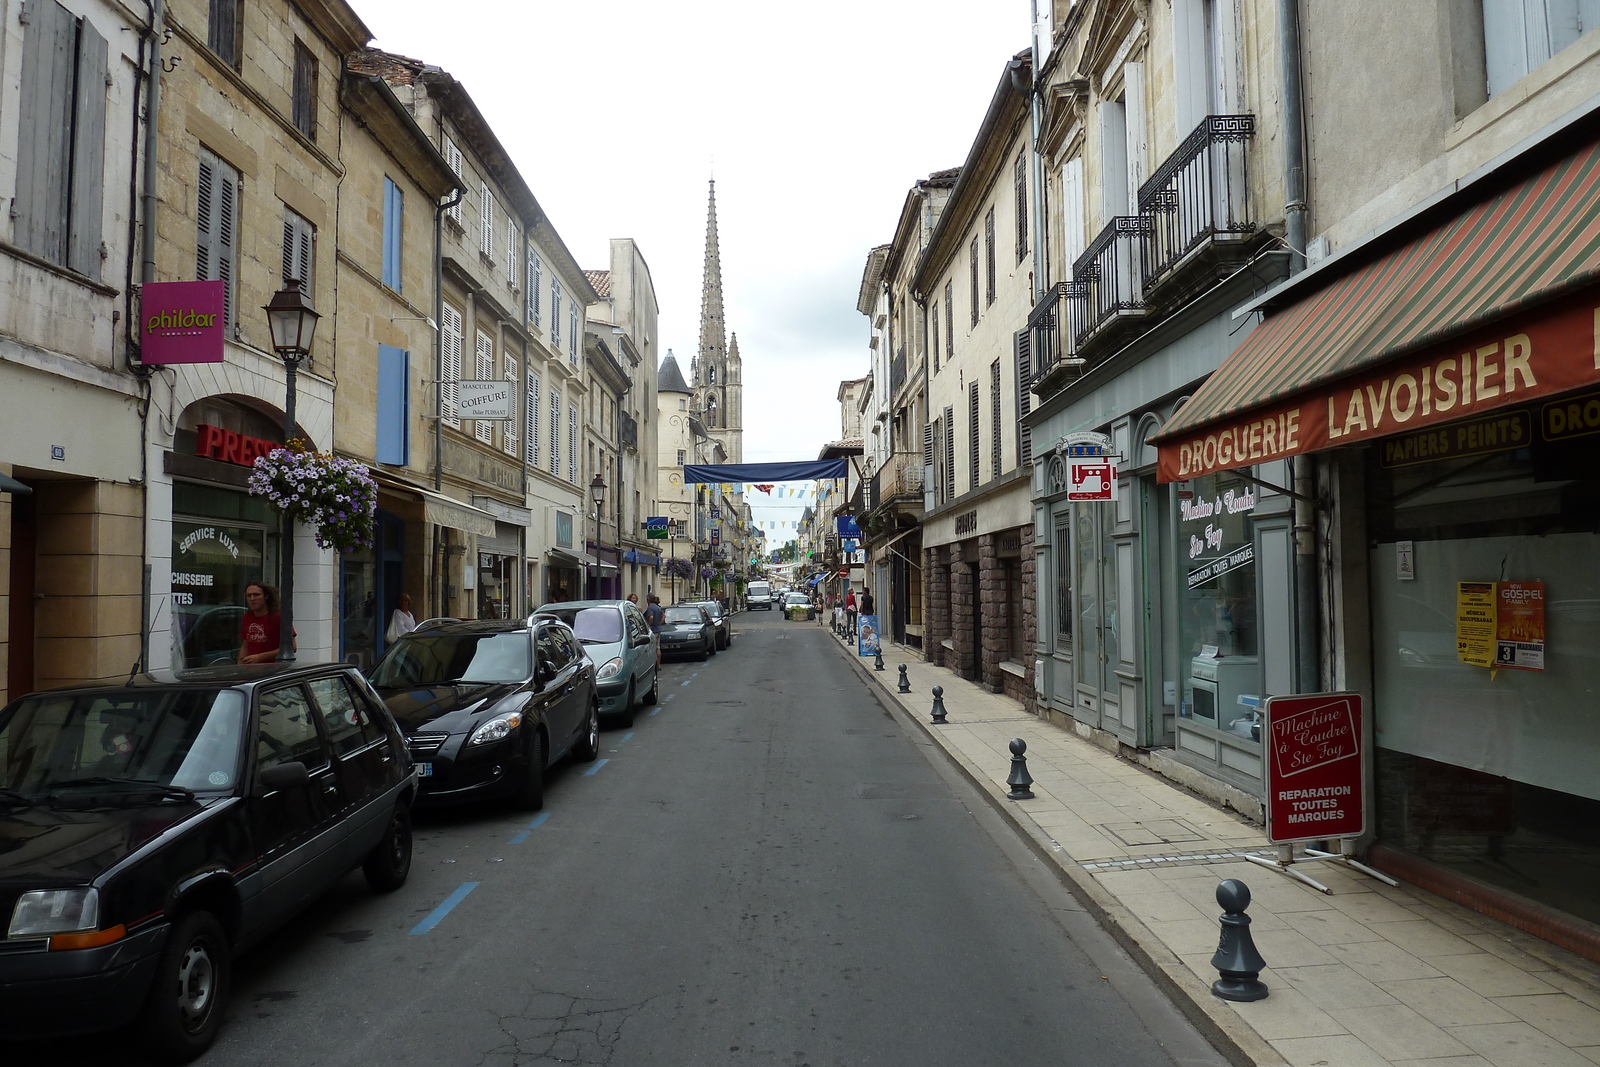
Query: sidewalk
[1367, 976]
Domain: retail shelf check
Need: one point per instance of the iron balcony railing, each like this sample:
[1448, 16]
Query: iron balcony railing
[1201, 192]
[1108, 279]
[1053, 327]
[900, 476]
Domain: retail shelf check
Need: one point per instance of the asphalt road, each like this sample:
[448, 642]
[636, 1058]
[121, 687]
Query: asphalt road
[767, 869]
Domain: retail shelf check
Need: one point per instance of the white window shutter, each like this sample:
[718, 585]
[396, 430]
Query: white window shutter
[452, 156]
[486, 219]
[511, 252]
[484, 371]
[572, 443]
[530, 415]
[449, 392]
[510, 440]
[1073, 240]
[1113, 161]
[555, 433]
[1137, 140]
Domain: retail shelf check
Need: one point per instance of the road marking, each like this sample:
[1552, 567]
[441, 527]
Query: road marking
[437, 914]
[598, 764]
[532, 826]
[656, 710]
[626, 736]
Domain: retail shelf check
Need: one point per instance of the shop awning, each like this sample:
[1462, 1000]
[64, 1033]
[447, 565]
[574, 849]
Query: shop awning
[1446, 292]
[880, 551]
[560, 557]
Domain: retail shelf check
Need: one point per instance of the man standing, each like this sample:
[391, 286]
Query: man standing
[260, 629]
[656, 616]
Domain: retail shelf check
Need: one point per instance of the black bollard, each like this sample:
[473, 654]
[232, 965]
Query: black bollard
[1237, 959]
[877, 660]
[905, 683]
[1020, 779]
[938, 705]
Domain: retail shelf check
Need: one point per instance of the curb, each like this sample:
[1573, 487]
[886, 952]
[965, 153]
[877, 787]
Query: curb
[1227, 1032]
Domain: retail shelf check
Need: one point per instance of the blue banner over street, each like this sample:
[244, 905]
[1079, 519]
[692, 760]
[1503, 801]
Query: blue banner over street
[802, 471]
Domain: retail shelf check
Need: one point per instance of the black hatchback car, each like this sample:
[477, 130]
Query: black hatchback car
[150, 831]
[487, 706]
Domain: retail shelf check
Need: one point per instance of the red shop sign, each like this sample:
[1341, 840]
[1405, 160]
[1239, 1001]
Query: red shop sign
[1316, 773]
[213, 442]
[182, 322]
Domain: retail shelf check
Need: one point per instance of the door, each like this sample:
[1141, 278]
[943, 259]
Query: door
[363, 758]
[640, 654]
[294, 826]
[1100, 618]
[557, 673]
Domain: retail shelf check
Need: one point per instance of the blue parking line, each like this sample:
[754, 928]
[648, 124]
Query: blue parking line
[627, 736]
[437, 915]
[532, 826]
[598, 764]
[686, 681]
[656, 710]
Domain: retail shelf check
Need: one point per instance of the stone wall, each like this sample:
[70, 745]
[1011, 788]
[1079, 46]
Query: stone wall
[936, 604]
[994, 604]
[1022, 689]
[963, 602]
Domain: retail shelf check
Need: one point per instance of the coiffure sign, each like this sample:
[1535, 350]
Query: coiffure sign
[1523, 359]
[484, 400]
[181, 322]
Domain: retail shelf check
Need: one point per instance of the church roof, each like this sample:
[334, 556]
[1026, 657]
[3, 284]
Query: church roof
[601, 280]
[669, 379]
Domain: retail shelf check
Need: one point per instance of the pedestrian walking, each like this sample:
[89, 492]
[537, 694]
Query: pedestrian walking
[260, 629]
[850, 611]
[867, 607]
[402, 621]
[656, 616]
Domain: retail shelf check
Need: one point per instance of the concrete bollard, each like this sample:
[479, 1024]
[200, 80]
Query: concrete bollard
[938, 705]
[877, 660]
[1237, 959]
[1020, 779]
[905, 683]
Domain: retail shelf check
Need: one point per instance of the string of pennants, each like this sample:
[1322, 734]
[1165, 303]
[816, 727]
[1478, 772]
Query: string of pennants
[826, 489]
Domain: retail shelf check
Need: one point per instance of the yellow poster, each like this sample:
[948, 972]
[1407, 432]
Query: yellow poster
[1477, 619]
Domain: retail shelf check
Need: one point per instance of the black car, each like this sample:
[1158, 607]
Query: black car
[487, 706]
[152, 830]
[688, 631]
[719, 619]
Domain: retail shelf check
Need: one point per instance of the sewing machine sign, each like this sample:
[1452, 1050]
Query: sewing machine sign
[1092, 479]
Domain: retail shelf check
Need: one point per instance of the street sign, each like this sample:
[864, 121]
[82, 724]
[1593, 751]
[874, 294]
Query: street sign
[1316, 772]
[848, 528]
[484, 400]
[1084, 443]
[1091, 479]
[716, 535]
[655, 528]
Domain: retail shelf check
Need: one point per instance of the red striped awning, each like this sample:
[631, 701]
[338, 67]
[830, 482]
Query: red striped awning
[1526, 246]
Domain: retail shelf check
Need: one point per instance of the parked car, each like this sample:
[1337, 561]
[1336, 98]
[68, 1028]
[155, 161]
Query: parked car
[759, 595]
[798, 606]
[618, 641]
[488, 706]
[209, 633]
[150, 831]
[688, 631]
[719, 619]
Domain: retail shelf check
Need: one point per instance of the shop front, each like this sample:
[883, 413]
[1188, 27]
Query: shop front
[1456, 421]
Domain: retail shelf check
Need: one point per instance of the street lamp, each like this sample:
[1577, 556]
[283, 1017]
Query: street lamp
[293, 322]
[597, 491]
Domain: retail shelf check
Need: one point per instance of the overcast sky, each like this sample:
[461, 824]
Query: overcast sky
[815, 118]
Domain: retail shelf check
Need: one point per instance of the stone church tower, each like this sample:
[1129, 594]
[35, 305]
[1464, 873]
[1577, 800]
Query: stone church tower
[715, 372]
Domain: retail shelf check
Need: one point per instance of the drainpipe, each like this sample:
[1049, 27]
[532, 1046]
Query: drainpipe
[152, 140]
[1308, 672]
[1036, 161]
[438, 336]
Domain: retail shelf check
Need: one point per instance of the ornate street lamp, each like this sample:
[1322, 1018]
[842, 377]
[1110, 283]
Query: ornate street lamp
[597, 492]
[293, 322]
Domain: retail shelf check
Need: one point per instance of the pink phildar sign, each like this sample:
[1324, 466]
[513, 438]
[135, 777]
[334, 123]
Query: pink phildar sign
[181, 322]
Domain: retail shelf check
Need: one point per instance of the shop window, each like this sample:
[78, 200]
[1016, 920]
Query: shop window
[1217, 612]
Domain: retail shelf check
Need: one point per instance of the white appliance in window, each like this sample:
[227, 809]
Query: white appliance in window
[1214, 687]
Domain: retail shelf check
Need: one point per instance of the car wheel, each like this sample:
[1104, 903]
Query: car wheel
[387, 866]
[184, 1010]
[705, 653]
[655, 685]
[588, 746]
[531, 796]
[626, 718]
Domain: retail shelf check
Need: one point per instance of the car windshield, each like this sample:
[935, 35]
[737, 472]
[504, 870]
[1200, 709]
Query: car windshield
[712, 607]
[683, 613]
[186, 737]
[594, 626]
[799, 598]
[445, 659]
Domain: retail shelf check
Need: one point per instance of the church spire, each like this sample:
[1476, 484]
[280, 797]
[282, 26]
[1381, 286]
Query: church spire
[713, 343]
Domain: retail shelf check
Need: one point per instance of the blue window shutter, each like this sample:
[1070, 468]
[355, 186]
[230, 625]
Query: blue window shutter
[394, 405]
[393, 217]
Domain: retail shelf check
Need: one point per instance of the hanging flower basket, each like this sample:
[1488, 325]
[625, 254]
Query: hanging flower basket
[678, 568]
[336, 497]
[708, 572]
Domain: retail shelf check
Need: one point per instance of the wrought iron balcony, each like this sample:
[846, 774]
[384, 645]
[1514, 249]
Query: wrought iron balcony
[1200, 194]
[1052, 338]
[1108, 279]
[898, 481]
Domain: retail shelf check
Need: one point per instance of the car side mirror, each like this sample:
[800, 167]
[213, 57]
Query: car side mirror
[283, 776]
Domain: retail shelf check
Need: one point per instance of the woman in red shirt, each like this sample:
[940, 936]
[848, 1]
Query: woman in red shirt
[259, 632]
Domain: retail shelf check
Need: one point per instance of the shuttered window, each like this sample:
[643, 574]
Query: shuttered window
[394, 405]
[485, 220]
[555, 315]
[303, 94]
[483, 370]
[530, 417]
[299, 249]
[510, 440]
[61, 139]
[930, 484]
[1522, 34]
[1023, 342]
[555, 433]
[572, 330]
[972, 264]
[949, 320]
[572, 443]
[1072, 213]
[535, 281]
[513, 250]
[934, 318]
[988, 251]
[451, 341]
[217, 224]
[949, 426]
[223, 30]
[1019, 184]
[394, 220]
[452, 156]
[974, 472]
[994, 420]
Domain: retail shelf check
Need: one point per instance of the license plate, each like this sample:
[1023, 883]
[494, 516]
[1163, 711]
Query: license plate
[424, 770]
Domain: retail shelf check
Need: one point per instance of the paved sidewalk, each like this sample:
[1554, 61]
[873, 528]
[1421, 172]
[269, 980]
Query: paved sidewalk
[1369, 975]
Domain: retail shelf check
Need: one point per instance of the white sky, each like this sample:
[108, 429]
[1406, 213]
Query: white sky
[815, 117]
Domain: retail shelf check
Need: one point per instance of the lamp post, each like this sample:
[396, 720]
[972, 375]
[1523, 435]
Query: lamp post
[597, 492]
[293, 322]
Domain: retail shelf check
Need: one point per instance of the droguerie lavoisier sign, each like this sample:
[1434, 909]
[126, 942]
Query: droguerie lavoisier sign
[181, 322]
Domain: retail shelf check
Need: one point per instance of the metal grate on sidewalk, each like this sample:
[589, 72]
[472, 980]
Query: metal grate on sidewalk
[1180, 859]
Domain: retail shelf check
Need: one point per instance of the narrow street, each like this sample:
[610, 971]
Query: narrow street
[767, 869]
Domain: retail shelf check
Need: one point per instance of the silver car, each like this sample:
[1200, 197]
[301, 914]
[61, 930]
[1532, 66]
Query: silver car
[618, 641]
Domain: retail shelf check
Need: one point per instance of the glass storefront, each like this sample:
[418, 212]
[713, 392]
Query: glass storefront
[1217, 612]
[1490, 772]
[222, 540]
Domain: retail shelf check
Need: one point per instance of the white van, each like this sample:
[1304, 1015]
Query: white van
[758, 595]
